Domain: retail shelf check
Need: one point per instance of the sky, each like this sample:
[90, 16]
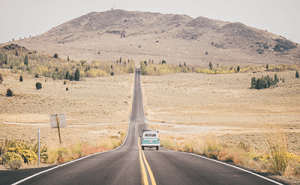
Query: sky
[24, 18]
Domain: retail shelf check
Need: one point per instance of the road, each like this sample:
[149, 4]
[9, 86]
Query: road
[130, 165]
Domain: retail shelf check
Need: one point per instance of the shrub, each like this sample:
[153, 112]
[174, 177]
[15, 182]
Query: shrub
[38, 85]
[65, 82]
[112, 74]
[1, 78]
[67, 89]
[278, 159]
[238, 69]
[11, 156]
[263, 82]
[297, 74]
[21, 79]
[9, 93]
[163, 62]
[253, 82]
[55, 55]
[15, 164]
[36, 75]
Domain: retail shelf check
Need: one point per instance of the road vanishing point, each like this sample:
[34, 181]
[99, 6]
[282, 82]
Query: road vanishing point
[130, 165]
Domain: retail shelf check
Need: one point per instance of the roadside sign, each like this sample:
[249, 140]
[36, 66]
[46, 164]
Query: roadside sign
[58, 121]
[62, 120]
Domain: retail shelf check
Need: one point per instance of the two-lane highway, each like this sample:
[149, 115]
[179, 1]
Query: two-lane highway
[130, 165]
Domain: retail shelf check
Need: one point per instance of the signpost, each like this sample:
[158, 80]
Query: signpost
[39, 146]
[58, 121]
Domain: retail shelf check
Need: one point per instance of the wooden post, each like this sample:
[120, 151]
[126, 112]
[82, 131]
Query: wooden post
[58, 128]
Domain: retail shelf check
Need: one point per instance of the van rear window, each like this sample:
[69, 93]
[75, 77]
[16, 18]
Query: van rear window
[150, 135]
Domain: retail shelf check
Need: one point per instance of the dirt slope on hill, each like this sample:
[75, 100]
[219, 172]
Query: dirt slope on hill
[174, 38]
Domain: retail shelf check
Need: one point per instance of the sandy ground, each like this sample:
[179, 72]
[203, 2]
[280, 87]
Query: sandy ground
[94, 107]
[193, 105]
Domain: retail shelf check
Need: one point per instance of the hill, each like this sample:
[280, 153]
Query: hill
[174, 38]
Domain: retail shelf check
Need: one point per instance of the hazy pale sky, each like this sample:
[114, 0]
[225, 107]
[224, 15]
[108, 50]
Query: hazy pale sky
[21, 18]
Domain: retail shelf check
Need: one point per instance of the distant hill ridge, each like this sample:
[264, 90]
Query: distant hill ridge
[175, 38]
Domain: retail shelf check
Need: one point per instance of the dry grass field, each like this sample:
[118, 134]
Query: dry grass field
[95, 107]
[188, 106]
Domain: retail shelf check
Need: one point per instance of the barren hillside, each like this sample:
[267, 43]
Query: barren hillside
[174, 38]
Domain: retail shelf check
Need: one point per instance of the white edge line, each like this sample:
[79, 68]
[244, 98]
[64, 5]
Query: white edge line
[241, 169]
[197, 155]
[27, 178]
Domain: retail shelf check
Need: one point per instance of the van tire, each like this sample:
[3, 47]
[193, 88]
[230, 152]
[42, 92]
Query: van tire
[142, 148]
[157, 147]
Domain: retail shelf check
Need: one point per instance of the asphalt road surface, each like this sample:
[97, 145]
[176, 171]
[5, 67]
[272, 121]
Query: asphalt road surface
[130, 165]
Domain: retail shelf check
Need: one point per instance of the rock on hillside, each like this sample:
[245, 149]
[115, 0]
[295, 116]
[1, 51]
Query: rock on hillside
[174, 38]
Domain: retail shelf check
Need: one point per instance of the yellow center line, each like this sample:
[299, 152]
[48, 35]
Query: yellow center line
[143, 170]
[149, 170]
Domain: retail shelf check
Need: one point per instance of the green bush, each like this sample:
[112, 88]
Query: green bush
[297, 74]
[9, 93]
[55, 55]
[38, 85]
[263, 82]
[21, 79]
[36, 75]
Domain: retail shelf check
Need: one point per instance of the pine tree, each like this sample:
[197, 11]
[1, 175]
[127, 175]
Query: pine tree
[1, 78]
[276, 78]
[26, 60]
[77, 75]
[210, 65]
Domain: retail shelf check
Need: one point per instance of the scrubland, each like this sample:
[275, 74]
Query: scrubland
[220, 116]
[97, 112]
